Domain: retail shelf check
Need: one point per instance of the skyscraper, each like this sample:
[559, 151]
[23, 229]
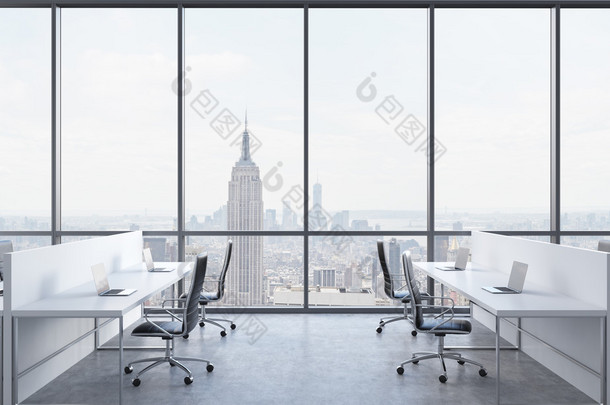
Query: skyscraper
[245, 213]
[317, 218]
[394, 259]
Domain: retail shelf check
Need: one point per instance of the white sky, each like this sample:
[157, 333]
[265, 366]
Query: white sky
[119, 119]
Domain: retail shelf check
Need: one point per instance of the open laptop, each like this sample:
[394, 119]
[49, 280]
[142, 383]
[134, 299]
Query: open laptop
[515, 282]
[150, 265]
[460, 261]
[102, 286]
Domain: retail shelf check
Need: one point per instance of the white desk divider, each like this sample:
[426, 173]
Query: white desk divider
[32, 275]
[574, 272]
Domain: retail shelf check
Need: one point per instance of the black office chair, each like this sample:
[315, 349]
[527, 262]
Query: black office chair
[170, 329]
[440, 325]
[207, 296]
[396, 289]
[604, 246]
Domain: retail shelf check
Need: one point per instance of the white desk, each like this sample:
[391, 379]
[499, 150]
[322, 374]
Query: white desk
[534, 302]
[83, 302]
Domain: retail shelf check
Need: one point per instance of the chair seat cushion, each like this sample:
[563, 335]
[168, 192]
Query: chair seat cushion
[206, 297]
[402, 295]
[455, 326]
[148, 329]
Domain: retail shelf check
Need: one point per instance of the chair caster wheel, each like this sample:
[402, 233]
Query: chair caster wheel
[379, 329]
[128, 370]
[400, 370]
[461, 362]
[482, 372]
[210, 368]
[413, 333]
[223, 333]
[202, 324]
[188, 380]
[442, 378]
[185, 336]
[233, 326]
[136, 382]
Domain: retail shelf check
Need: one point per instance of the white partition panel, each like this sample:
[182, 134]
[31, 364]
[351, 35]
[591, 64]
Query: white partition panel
[574, 272]
[32, 275]
[39, 273]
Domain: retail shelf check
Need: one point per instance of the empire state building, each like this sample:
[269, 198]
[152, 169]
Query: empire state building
[245, 213]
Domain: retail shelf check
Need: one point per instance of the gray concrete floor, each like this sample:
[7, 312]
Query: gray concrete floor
[311, 359]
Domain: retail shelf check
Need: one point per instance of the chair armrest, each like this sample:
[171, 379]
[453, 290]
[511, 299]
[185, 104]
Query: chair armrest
[161, 311]
[181, 299]
[153, 311]
[444, 309]
[426, 296]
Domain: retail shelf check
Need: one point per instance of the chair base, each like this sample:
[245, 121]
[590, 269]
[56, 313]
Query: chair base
[405, 316]
[441, 355]
[168, 358]
[203, 319]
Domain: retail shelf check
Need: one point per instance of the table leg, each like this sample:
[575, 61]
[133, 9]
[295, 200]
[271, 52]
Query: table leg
[442, 295]
[15, 368]
[604, 363]
[96, 338]
[498, 360]
[120, 360]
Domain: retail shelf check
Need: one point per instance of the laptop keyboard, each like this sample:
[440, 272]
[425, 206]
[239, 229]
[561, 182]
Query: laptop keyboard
[503, 288]
[113, 291]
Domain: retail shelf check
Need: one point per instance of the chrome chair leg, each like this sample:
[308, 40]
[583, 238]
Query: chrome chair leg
[441, 355]
[176, 363]
[192, 359]
[149, 367]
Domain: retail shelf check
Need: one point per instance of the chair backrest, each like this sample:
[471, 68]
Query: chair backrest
[604, 246]
[6, 246]
[190, 317]
[225, 267]
[387, 278]
[416, 309]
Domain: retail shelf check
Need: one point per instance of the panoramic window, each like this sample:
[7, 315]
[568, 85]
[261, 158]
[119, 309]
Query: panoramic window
[367, 129]
[244, 144]
[25, 114]
[492, 119]
[585, 129]
[244, 119]
[119, 120]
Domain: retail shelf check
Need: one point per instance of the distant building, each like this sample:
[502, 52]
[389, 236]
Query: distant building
[317, 216]
[341, 220]
[324, 278]
[289, 218]
[458, 226]
[157, 248]
[360, 225]
[394, 257]
[245, 213]
[270, 219]
[441, 247]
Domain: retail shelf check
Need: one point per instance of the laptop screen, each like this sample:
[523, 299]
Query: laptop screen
[462, 258]
[99, 277]
[148, 259]
[517, 276]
